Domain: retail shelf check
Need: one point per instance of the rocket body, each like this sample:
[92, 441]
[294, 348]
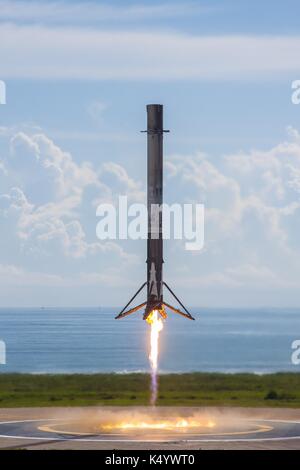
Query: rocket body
[154, 206]
[154, 282]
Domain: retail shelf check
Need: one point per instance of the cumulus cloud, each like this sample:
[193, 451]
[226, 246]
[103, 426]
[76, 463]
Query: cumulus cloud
[41, 210]
[252, 209]
[36, 161]
[116, 176]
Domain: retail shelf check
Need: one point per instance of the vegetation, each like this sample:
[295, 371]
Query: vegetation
[193, 389]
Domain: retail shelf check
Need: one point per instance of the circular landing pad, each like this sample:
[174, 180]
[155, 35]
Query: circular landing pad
[72, 430]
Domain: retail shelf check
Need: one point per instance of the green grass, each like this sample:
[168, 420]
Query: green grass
[194, 389]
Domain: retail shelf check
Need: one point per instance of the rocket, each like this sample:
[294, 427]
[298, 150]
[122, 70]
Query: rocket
[155, 283]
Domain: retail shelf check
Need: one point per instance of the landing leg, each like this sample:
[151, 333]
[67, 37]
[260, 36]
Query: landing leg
[128, 312]
[122, 313]
[187, 314]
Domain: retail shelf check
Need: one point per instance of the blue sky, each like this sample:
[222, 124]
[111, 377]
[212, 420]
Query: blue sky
[78, 77]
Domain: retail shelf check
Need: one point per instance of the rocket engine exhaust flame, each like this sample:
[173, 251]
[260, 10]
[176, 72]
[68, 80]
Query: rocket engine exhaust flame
[156, 324]
[182, 424]
[156, 327]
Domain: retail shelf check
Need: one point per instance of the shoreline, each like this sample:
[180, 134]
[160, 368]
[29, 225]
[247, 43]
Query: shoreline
[147, 372]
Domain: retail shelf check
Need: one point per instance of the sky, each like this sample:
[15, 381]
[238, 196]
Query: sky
[78, 76]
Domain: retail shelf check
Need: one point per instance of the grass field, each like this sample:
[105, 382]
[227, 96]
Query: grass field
[194, 389]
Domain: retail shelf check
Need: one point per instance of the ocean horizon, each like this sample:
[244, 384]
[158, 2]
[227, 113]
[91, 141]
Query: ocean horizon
[89, 340]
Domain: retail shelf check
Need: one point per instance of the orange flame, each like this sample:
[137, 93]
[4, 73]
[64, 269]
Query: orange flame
[168, 424]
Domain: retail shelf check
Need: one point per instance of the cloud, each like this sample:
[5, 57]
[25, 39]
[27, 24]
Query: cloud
[116, 176]
[94, 54]
[11, 275]
[59, 11]
[41, 210]
[252, 209]
[44, 171]
[252, 205]
[260, 276]
[17, 276]
[245, 276]
[263, 182]
[98, 136]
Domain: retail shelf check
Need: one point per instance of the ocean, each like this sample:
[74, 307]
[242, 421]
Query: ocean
[68, 340]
